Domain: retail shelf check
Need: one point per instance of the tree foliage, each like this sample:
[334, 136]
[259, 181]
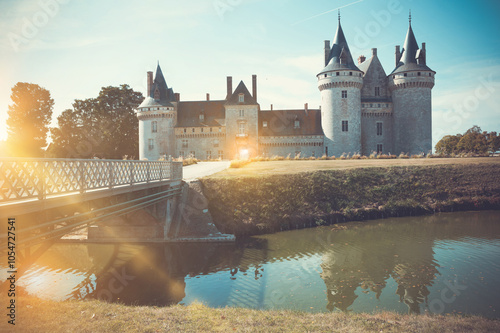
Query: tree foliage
[474, 141]
[103, 127]
[29, 117]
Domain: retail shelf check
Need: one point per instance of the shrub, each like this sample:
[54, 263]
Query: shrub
[403, 156]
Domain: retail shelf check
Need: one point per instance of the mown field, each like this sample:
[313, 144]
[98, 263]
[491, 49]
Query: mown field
[265, 197]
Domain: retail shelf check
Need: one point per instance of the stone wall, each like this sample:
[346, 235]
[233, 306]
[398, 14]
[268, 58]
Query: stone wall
[203, 145]
[307, 146]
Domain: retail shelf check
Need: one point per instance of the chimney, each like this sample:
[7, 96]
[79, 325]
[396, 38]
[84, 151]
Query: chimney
[425, 55]
[306, 107]
[374, 51]
[177, 97]
[398, 55]
[254, 87]
[361, 59]
[327, 51]
[208, 96]
[271, 107]
[150, 83]
[229, 87]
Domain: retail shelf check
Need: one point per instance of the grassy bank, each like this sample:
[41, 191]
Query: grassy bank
[269, 201]
[94, 316]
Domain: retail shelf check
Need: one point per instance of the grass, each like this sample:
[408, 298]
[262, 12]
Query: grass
[273, 196]
[94, 316]
[273, 167]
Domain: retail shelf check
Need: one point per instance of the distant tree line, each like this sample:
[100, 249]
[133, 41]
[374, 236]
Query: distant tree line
[101, 127]
[474, 141]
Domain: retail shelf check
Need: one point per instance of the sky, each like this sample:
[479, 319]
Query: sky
[75, 47]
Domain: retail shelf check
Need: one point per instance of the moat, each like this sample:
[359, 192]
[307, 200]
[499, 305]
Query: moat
[444, 263]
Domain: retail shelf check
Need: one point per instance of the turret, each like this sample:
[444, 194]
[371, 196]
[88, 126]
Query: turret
[410, 84]
[157, 118]
[340, 84]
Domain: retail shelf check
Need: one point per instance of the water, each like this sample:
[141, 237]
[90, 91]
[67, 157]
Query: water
[445, 263]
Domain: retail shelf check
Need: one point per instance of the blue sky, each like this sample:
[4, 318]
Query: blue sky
[73, 48]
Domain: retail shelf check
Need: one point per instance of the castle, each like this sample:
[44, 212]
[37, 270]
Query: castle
[363, 110]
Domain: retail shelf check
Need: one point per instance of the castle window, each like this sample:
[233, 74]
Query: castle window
[201, 129]
[378, 105]
[154, 127]
[202, 117]
[220, 129]
[377, 91]
[418, 73]
[209, 155]
[326, 75]
[338, 73]
[241, 128]
[264, 124]
[350, 73]
[313, 154]
[216, 143]
[345, 126]
[241, 98]
[406, 74]
[379, 148]
[185, 130]
[184, 143]
[151, 144]
[296, 124]
[192, 130]
[157, 94]
[371, 105]
[344, 93]
[379, 128]
[430, 74]
[221, 154]
[242, 113]
[211, 129]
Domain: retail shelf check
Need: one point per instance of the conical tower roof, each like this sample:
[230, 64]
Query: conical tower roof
[160, 91]
[340, 56]
[409, 54]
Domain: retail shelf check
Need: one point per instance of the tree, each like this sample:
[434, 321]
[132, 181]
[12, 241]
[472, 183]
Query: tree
[473, 141]
[448, 144]
[29, 119]
[104, 127]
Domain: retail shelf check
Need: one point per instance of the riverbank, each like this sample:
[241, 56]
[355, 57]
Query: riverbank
[35, 315]
[266, 197]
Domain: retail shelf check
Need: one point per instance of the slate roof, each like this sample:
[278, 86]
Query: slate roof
[241, 89]
[339, 50]
[188, 114]
[166, 93]
[151, 102]
[409, 53]
[282, 123]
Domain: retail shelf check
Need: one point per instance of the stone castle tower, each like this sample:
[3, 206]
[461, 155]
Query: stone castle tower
[340, 83]
[363, 110]
[157, 116]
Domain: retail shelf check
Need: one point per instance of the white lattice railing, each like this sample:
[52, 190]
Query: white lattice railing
[25, 178]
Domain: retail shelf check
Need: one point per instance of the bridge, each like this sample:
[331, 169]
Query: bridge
[49, 198]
